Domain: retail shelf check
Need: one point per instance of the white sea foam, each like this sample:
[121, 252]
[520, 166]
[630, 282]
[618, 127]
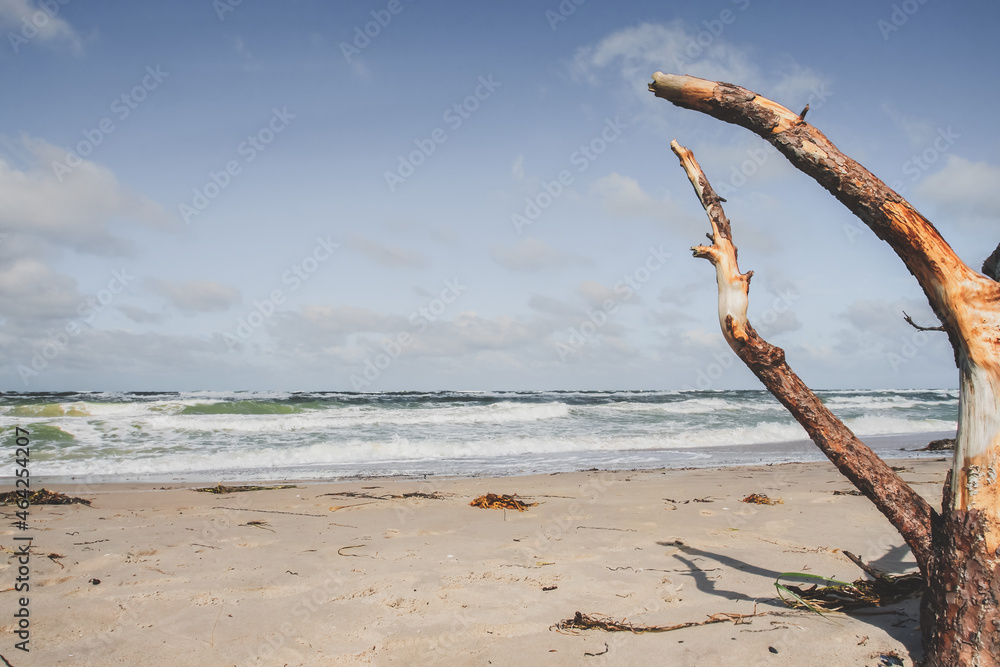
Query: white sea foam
[191, 432]
[882, 425]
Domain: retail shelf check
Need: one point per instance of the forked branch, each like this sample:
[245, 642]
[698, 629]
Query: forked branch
[905, 509]
[948, 283]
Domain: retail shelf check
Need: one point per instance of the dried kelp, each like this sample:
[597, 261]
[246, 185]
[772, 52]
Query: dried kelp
[884, 589]
[501, 502]
[581, 621]
[761, 499]
[340, 551]
[263, 525]
[42, 497]
[220, 489]
[860, 594]
[434, 495]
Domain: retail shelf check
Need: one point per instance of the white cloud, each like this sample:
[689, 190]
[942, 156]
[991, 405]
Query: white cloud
[919, 131]
[622, 196]
[794, 85]
[533, 254]
[140, 315]
[517, 168]
[596, 294]
[965, 188]
[351, 319]
[678, 48]
[554, 307]
[197, 296]
[684, 295]
[28, 20]
[386, 255]
[74, 210]
[30, 291]
[648, 47]
[471, 332]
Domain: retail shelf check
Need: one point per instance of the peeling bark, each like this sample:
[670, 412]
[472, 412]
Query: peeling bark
[960, 612]
[905, 509]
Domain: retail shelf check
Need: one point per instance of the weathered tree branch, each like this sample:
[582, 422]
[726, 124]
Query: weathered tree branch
[917, 242]
[960, 614]
[966, 302]
[905, 509]
[909, 320]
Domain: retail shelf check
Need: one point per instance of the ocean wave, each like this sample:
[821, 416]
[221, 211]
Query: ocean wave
[884, 425]
[692, 406]
[185, 432]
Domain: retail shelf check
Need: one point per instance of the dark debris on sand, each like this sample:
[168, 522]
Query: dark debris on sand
[504, 502]
[220, 489]
[942, 445]
[761, 499]
[42, 497]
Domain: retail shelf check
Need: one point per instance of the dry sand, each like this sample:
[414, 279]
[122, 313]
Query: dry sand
[184, 580]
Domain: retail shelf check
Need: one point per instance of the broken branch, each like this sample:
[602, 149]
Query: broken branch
[905, 509]
[909, 320]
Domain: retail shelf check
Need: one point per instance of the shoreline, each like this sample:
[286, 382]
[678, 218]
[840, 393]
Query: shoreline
[404, 579]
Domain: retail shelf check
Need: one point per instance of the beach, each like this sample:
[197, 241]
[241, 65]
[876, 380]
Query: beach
[404, 571]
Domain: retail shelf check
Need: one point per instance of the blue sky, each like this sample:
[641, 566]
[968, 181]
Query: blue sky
[260, 195]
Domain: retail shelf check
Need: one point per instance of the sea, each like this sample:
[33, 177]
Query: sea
[222, 436]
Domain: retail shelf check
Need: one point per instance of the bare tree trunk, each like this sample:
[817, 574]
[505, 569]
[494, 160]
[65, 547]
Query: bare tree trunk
[961, 613]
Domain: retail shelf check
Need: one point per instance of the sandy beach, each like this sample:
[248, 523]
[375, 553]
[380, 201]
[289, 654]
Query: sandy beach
[361, 573]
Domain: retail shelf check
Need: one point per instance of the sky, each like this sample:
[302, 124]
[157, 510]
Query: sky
[406, 195]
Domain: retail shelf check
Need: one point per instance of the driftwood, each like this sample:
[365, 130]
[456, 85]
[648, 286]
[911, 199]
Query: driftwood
[910, 513]
[958, 550]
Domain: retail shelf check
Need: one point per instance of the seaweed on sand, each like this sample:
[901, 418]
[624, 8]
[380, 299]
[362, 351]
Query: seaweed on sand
[761, 499]
[220, 489]
[582, 621]
[883, 589]
[501, 502]
[42, 497]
